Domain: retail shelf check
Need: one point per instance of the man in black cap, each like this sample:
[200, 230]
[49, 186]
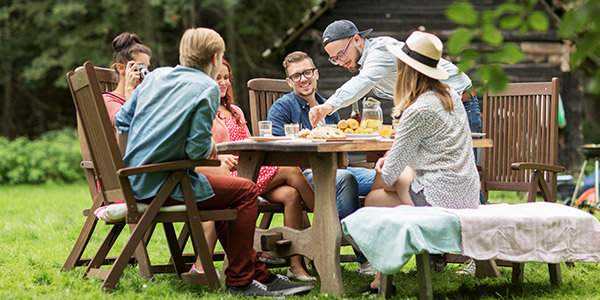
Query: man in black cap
[349, 48]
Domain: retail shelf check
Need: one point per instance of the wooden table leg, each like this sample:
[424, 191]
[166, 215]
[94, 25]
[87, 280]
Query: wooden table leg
[249, 164]
[327, 235]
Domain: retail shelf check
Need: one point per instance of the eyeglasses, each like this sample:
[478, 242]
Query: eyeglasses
[308, 73]
[341, 56]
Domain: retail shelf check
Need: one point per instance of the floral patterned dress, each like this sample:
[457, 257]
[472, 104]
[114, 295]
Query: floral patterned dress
[238, 133]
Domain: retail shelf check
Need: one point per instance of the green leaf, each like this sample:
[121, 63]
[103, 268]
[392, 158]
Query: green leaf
[510, 22]
[466, 64]
[462, 13]
[509, 54]
[538, 21]
[491, 35]
[459, 40]
[494, 77]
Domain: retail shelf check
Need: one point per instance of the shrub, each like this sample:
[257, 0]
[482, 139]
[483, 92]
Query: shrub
[53, 157]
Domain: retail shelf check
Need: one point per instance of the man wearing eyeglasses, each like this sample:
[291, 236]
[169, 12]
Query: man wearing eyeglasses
[293, 108]
[348, 48]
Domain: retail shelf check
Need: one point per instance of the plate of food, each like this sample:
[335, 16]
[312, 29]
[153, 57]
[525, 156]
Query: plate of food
[322, 133]
[269, 138]
[477, 135]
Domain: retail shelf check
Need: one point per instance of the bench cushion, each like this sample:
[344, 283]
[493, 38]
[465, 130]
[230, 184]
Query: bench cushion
[539, 231]
[389, 236]
[117, 211]
[527, 232]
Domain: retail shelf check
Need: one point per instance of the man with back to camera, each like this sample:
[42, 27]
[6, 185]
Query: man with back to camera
[169, 117]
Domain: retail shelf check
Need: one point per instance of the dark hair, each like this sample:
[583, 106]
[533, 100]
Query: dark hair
[125, 45]
[227, 100]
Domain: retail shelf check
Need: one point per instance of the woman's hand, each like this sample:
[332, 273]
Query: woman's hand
[379, 164]
[132, 78]
[230, 161]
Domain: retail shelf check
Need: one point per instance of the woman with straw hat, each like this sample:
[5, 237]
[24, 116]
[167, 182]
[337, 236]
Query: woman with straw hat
[433, 137]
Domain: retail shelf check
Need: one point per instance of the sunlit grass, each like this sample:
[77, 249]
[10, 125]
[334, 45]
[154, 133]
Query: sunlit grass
[40, 223]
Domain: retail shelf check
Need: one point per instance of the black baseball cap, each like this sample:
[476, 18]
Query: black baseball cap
[341, 29]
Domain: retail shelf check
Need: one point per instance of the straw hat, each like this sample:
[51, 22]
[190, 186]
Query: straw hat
[422, 51]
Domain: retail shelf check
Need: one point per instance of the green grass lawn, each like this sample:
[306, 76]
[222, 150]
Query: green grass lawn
[40, 223]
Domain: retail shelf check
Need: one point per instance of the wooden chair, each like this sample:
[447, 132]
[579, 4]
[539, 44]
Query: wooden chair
[523, 125]
[112, 178]
[522, 122]
[108, 80]
[262, 93]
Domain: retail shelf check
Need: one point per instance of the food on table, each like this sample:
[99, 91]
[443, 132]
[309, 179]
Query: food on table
[367, 126]
[323, 132]
[352, 123]
[304, 133]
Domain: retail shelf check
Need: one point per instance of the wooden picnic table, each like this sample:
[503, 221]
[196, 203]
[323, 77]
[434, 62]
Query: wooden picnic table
[322, 241]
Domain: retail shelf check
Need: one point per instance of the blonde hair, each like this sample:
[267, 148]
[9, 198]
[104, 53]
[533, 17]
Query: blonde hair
[197, 47]
[410, 84]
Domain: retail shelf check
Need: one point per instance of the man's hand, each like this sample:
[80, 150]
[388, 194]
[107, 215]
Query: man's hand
[230, 161]
[319, 112]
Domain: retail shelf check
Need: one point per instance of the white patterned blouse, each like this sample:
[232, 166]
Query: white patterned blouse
[437, 144]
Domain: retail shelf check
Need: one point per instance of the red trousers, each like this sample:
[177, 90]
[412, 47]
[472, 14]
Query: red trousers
[237, 236]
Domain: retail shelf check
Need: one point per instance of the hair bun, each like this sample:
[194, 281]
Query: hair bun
[124, 40]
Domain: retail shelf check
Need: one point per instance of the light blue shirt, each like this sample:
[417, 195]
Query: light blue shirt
[378, 73]
[169, 117]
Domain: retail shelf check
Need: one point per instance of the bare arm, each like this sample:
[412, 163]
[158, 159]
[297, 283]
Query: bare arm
[122, 142]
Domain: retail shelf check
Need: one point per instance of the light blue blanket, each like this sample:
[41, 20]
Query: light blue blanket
[390, 236]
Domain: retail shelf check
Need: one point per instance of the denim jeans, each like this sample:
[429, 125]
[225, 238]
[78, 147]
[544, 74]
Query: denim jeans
[473, 113]
[474, 117]
[364, 177]
[346, 192]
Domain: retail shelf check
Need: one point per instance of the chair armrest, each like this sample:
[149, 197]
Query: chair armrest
[87, 164]
[167, 166]
[544, 167]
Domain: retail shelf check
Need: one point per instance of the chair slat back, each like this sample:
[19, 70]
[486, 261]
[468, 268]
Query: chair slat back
[262, 93]
[99, 135]
[523, 125]
[108, 80]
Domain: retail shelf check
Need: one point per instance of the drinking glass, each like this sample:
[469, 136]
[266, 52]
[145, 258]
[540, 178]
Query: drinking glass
[265, 128]
[291, 130]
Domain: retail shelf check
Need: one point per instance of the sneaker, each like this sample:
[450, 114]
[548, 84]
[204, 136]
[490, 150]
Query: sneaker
[368, 289]
[270, 259]
[254, 288]
[469, 269]
[282, 285]
[366, 268]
